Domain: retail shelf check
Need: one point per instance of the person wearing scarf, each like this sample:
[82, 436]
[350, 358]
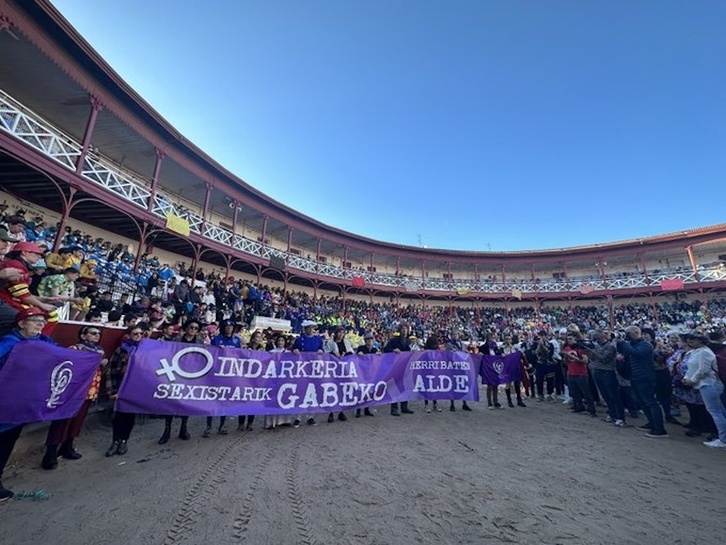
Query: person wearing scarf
[123, 422]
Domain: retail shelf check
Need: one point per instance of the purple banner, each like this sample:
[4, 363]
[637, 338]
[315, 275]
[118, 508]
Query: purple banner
[198, 380]
[497, 370]
[41, 381]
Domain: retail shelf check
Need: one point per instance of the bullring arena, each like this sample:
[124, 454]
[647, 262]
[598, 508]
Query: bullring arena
[84, 152]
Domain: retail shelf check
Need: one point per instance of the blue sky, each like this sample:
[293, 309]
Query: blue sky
[463, 124]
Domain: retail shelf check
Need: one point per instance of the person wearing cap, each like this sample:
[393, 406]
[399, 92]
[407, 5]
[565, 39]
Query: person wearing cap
[639, 353]
[16, 293]
[702, 375]
[29, 324]
[399, 343]
[308, 342]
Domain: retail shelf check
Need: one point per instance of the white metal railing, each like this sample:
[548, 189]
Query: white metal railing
[23, 124]
[27, 126]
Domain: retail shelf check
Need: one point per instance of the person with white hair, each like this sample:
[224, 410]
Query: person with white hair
[702, 375]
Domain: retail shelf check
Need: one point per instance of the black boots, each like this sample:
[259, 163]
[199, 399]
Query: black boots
[50, 460]
[113, 449]
[165, 436]
[183, 432]
[68, 451]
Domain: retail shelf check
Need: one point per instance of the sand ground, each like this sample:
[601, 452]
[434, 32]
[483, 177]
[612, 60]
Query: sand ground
[535, 475]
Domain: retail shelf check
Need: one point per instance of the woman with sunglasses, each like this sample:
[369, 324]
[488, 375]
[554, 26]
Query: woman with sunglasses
[62, 433]
[123, 422]
[189, 335]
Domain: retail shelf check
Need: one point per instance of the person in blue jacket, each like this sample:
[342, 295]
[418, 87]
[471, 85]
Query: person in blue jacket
[30, 322]
[642, 379]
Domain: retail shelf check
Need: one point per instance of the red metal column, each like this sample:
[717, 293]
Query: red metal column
[692, 259]
[155, 178]
[265, 217]
[235, 214]
[96, 106]
[67, 206]
[205, 211]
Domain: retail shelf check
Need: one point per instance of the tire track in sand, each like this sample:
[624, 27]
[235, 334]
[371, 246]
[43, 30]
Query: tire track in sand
[299, 511]
[200, 493]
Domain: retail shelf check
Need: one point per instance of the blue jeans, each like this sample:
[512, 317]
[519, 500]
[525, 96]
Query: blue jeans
[644, 395]
[711, 396]
[607, 383]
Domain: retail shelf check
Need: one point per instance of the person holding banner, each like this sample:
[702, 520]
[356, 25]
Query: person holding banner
[257, 342]
[509, 347]
[308, 342]
[366, 348]
[123, 423]
[274, 420]
[62, 433]
[398, 344]
[30, 323]
[491, 348]
[338, 346]
[190, 335]
[546, 366]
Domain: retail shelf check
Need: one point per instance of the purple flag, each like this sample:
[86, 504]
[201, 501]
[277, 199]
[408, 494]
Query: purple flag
[41, 381]
[497, 370]
[174, 378]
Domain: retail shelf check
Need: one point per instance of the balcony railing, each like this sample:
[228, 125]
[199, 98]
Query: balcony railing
[23, 124]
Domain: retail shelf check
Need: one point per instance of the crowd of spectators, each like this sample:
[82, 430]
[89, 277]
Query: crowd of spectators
[573, 345]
